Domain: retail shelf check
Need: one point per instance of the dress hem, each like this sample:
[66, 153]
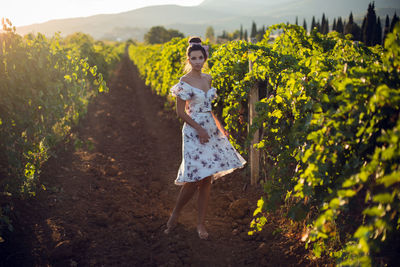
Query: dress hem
[214, 176]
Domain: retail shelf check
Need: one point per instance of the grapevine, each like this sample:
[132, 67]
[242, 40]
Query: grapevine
[329, 121]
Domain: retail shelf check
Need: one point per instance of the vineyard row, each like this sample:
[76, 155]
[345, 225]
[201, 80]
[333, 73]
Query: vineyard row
[330, 130]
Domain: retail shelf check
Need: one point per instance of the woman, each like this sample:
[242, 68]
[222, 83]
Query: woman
[206, 151]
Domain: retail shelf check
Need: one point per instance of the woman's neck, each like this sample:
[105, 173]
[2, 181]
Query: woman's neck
[195, 73]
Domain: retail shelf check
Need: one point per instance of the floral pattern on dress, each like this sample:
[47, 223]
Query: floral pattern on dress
[215, 158]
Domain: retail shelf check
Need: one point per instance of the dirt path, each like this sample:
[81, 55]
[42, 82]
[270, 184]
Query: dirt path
[107, 206]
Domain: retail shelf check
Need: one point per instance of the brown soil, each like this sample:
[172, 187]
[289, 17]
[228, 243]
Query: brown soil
[108, 205]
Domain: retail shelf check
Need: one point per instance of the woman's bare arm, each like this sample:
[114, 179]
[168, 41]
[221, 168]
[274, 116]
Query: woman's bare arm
[180, 111]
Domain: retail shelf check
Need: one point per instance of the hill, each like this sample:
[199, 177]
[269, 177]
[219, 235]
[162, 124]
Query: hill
[221, 14]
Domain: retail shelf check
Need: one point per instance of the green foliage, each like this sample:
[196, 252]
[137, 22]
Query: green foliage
[44, 90]
[104, 56]
[160, 35]
[330, 129]
[45, 87]
[5, 222]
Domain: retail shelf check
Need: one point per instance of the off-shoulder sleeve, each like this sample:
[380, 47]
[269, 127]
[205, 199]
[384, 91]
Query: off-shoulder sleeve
[182, 91]
[214, 94]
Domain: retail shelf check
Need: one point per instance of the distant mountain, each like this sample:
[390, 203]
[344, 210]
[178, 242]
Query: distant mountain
[245, 8]
[189, 20]
[221, 14]
[275, 11]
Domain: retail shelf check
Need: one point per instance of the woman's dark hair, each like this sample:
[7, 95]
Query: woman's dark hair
[194, 45]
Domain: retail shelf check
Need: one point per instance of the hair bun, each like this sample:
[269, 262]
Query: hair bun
[195, 40]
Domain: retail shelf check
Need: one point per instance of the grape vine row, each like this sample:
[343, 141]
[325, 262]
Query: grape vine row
[329, 120]
[45, 87]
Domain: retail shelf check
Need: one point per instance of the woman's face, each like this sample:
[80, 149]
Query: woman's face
[196, 59]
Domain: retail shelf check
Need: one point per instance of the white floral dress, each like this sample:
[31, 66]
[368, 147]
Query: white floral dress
[215, 158]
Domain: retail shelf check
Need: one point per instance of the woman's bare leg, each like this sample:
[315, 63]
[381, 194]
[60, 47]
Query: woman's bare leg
[186, 193]
[202, 201]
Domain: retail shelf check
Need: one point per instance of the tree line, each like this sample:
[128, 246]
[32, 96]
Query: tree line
[370, 32]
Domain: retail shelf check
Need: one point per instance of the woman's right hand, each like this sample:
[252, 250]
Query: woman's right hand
[203, 135]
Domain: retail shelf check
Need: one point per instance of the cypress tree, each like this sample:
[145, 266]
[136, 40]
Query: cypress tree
[323, 23]
[313, 25]
[378, 32]
[339, 25]
[352, 28]
[297, 21]
[253, 30]
[370, 24]
[318, 25]
[351, 20]
[305, 25]
[241, 32]
[326, 30]
[386, 30]
[334, 24]
[363, 26]
[395, 19]
[245, 35]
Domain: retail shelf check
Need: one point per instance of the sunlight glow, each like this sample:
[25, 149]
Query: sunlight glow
[26, 12]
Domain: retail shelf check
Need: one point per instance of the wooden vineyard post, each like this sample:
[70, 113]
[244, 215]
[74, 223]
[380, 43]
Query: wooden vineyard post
[254, 153]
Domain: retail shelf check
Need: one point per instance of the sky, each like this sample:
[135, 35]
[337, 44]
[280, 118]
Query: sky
[26, 12]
